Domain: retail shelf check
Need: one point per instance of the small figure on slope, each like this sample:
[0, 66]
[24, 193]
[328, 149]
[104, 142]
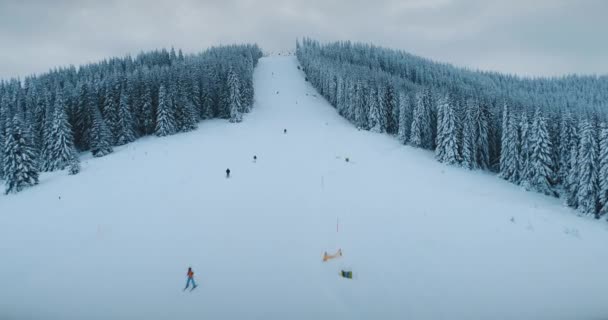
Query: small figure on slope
[285, 131]
[190, 279]
[255, 158]
[227, 173]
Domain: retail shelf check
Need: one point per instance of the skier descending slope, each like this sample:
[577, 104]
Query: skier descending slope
[190, 279]
[228, 173]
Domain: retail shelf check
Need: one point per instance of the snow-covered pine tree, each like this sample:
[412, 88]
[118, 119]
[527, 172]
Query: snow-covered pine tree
[588, 183]
[359, 107]
[571, 184]
[421, 133]
[20, 158]
[147, 112]
[524, 150]
[340, 95]
[47, 124]
[111, 106]
[469, 137]
[392, 109]
[62, 150]
[482, 135]
[542, 173]
[81, 116]
[74, 166]
[125, 132]
[373, 116]
[509, 156]
[234, 99]
[101, 137]
[566, 142]
[165, 124]
[447, 143]
[603, 171]
[405, 118]
[188, 114]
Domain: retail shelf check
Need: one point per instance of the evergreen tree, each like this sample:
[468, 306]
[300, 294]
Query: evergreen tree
[509, 156]
[524, 151]
[374, 117]
[481, 142]
[469, 139]
[165, 124]
[588, 184]
[421, 134]
[566, 142]
[405, 119]
[234, 97]
[101, 137]
[125, 133]
[20, 163]
[148, 116]
[603, 171]
[47, 141]
[541, 164]
[62, 149]
[447, 143]
[571, 185]
[360, 105]
[111, 106]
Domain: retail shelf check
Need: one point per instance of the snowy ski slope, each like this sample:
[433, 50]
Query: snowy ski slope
[425, 241]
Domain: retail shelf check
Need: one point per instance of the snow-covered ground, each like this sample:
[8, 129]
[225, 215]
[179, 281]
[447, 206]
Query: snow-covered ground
[424, 241]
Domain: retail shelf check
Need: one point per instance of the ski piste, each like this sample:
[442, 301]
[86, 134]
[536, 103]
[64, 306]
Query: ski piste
[424, 240]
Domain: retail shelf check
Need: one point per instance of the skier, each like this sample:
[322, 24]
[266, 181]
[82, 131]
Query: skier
[228, 173]
[190, 279]
[285, 131]
[255, 158]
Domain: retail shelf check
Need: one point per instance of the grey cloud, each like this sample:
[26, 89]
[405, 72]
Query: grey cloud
[532, 37]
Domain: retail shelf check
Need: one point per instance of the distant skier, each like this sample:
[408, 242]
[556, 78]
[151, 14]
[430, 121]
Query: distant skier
[227, 173]
[190, 279]
[285, 131]
[255, 158]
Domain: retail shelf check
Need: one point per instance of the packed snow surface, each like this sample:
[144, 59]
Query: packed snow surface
[424, 240]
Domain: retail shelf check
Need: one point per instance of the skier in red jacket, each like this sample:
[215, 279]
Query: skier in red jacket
[190, 279]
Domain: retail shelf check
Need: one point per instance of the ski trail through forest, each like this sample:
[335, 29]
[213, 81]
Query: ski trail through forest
[424, 240]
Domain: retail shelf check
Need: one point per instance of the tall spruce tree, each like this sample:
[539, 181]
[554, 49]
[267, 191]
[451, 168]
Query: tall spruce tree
[165, 124]
[524, 150]
[234, 99]
[588, 183]
[447, 143]
[101, 137]
[509, 156]
[62, 150]
[421, 135]
[603, 171]
[20, 158]
[405, 118]
[126, 132]
[541, 163]
[566, 141]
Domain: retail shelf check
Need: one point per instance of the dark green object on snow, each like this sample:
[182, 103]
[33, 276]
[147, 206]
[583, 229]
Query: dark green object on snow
[346, 274]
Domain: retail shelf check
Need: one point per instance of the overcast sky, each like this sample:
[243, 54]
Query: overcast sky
[527, 37]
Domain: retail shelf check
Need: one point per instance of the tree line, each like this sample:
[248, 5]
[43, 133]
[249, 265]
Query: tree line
[549, 135]
[46, 120]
